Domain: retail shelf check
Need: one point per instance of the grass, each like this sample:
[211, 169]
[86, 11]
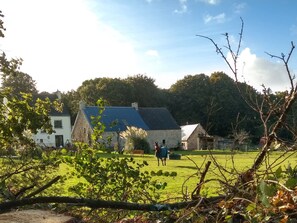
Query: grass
[187, 167]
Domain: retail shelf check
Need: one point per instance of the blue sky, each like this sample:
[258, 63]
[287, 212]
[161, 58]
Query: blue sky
[64, 42]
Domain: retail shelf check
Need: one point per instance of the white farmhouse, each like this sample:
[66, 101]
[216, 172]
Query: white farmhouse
[61, 124]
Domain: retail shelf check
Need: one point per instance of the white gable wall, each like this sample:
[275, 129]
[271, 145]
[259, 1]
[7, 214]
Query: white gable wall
[190, 136]
[172, 138]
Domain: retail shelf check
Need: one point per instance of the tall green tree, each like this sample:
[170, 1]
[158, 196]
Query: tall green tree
[19, 82]
[144, 91]
[190, 97]
[115, 91]
[71, 100]
[228, 99]
[20, 113]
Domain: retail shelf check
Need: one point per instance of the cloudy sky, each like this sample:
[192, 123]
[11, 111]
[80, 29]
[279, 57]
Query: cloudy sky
[64, 42]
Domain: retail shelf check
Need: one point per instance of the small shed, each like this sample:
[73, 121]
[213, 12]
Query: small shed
[194, 137]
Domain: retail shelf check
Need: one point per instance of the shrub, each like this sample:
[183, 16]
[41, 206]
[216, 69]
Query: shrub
[142, 144]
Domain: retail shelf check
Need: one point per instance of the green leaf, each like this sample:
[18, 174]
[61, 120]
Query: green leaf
[291, 183]
[266, 189]
[278, 172]
[265, 200]
[251, 207]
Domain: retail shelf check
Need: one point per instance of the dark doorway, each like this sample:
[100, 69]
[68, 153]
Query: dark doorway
[59, 141]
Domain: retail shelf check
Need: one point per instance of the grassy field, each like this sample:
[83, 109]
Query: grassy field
[187, 167]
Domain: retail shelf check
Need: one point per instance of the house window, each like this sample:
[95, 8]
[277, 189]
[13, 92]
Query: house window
[58, 124]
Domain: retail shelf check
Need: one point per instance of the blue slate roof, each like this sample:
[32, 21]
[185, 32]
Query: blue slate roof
[116, 118]
[158, 118]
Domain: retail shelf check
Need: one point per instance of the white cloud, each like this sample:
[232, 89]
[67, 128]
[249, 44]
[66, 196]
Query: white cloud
[258, 71]
[64, 43]
[183, 7]
[239, 7]
[220, 18]
[152, 53]
[211, 2]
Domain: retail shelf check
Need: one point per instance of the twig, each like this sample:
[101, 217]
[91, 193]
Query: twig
[196, 191]
[44, 187]
[278, 183]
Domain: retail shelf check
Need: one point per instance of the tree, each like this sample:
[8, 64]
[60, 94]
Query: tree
[19, 82]
[263, 189]
[71, 100]
[144, 91]
[21, 116]
[191, 95]
[227, 97]
[20, 113]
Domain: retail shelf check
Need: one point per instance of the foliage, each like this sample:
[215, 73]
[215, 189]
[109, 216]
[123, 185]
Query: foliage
[24, 171]
[98, 128]
[113, 178]
[71, 100]
[121, 92]
[192, 94]
[174, 156]
[141, 143]
[20, 116]
[253, 195]
[25, 176]
[19, 82]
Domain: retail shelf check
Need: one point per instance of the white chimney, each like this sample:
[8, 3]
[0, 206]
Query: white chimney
[82, 105]
[59, 95]
[135, 105]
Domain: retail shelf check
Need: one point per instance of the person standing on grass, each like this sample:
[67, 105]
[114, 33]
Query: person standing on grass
[158, 152]
[164, 153]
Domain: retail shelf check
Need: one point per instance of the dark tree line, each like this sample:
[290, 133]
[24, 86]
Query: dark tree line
[213, 101]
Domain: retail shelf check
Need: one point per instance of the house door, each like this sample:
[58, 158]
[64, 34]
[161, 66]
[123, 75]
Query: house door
[59, 141]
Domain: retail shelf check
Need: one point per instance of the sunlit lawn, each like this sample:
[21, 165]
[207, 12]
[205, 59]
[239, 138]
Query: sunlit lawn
[187, 167]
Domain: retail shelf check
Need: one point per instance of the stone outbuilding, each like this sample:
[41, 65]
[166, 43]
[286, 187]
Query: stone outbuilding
[157, 122]
[194, 137]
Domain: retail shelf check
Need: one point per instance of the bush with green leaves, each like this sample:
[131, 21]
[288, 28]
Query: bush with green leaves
[113, 179]
[25, 177]
[142, 143]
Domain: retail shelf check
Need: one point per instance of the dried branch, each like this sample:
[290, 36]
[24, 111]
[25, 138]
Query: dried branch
[39, 190]
[196, 191]
[96, 204]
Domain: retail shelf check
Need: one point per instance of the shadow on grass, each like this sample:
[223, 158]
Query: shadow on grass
[188, 167]
[206, 152]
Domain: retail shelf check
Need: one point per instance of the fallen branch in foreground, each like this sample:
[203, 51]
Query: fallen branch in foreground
[8, 205]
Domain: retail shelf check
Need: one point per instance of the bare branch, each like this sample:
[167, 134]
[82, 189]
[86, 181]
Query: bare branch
[39, 190]
[196, 191]
[96, 204]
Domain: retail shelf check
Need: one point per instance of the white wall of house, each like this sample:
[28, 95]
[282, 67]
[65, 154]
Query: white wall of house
[172, 138]
[61, 136]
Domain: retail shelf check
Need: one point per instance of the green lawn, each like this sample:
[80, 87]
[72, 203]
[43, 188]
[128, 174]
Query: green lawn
[187, 167]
